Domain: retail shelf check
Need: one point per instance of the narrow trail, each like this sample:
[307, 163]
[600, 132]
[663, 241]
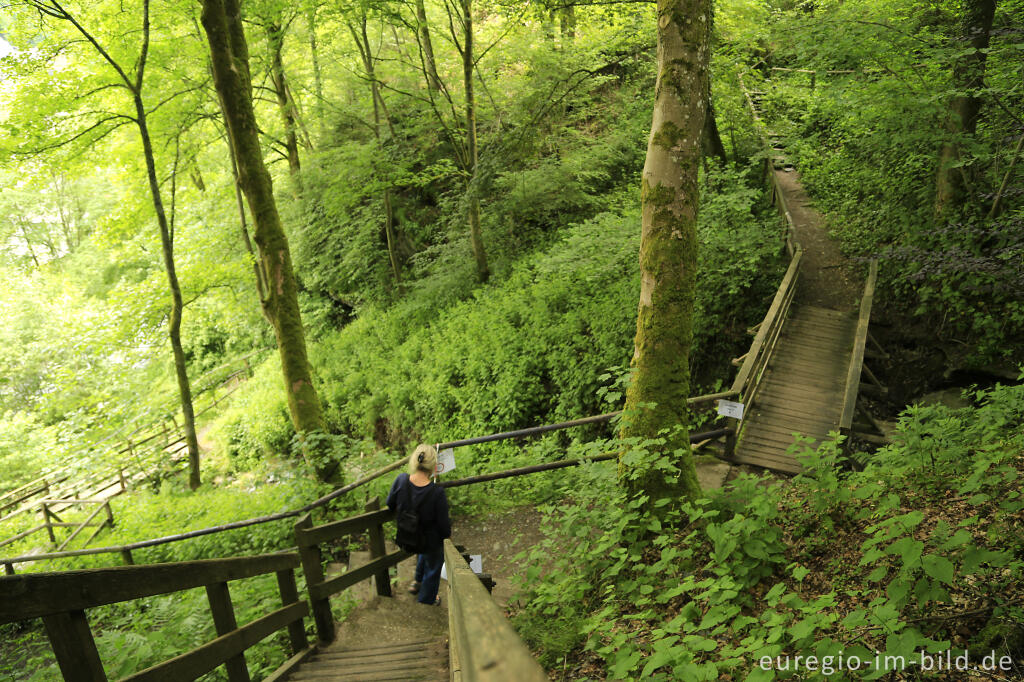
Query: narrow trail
[828, 278]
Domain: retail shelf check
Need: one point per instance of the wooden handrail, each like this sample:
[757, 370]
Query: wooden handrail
[61, 599]
[857, 357]
[484, 646]
[33, 595]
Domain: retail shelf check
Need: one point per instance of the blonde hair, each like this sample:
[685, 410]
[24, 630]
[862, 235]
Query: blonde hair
[423, 458]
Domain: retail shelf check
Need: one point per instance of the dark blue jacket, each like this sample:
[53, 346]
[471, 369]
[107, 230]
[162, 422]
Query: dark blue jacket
[433, 510]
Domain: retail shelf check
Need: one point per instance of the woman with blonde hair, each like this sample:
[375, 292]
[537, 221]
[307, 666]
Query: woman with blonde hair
[421, 509]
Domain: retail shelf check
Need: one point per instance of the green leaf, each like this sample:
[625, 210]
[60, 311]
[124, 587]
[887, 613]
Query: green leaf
[938, 567]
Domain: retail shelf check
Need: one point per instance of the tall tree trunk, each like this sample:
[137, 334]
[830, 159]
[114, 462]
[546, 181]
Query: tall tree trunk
[568, 24]
[380, 110]
[426, 48]
[475, 234]
[712, 139]
[668, 250]
[222, 21]
[177, 307]
[318, 83]
[968, 79]
[275, 40]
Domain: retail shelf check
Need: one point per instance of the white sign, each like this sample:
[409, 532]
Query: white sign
[728, 408]
[445, 461]
[476, 563]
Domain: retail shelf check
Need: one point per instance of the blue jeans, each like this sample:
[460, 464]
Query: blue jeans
[428, 574]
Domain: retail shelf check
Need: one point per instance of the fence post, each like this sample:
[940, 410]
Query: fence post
[74, 647]
[377, 550]
[312, 567]
[290, 595]
[224, 621]
[126, 556]
[120, 476]
[9, 568]
[45, 508]
[814, 75]
[110, 514]
[730, 438]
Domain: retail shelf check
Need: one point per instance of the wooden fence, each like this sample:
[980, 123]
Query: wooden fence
[61, 600]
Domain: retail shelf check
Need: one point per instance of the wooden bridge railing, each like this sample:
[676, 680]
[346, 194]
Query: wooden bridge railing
[857, 357]
[308, 539]
[61, 600]
[483, 646]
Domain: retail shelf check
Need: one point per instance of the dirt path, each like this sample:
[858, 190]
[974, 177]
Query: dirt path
[827, 278]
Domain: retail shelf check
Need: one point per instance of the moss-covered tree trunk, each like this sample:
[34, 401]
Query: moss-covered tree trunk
[952, 184]
[229, 53]
[668, 249]
[472, 154]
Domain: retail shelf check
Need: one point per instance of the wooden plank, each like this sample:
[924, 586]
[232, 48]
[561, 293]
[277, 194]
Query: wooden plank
[34, 595]
[290, 666]
[337, 529]
[788, 424]
[340, 650]
[290, 595]
[381, 579]
[755, 456]
[313, 569]
[789, 412]
[767, 457]
[785, 433]
[207, 657]
[489, 649]
[74, 647]
[224, 622]
[857, 359]
[334, 585]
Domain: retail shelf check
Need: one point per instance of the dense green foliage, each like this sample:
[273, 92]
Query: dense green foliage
[920, 550]
[873, 561]
[867, 141]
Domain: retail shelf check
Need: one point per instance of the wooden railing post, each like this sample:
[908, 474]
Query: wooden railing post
[290, 595]
[312, 567]
[120, 476]
[74, 647]
[9, 568]
[45, 508]
[377, 550]
[126, 556]
[224, 622]
[110, 514]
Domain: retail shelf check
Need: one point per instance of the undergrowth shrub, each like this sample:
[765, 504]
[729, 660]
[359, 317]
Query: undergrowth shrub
[919, 553]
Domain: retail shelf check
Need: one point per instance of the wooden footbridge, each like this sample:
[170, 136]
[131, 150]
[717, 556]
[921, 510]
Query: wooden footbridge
[802, 374]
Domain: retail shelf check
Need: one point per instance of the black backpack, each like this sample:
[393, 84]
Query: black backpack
[408, 536]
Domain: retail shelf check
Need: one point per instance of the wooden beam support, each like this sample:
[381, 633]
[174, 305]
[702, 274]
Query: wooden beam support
[74, 647]
[225, 624]
[382, 579]
[289, 596]
[313, 568]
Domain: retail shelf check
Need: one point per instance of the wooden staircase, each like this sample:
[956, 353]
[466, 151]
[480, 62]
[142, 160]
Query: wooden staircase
[422, 660]
[803, 387]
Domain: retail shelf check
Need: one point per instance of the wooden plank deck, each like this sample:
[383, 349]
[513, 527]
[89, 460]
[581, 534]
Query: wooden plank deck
[420, 660]
[802, 391]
